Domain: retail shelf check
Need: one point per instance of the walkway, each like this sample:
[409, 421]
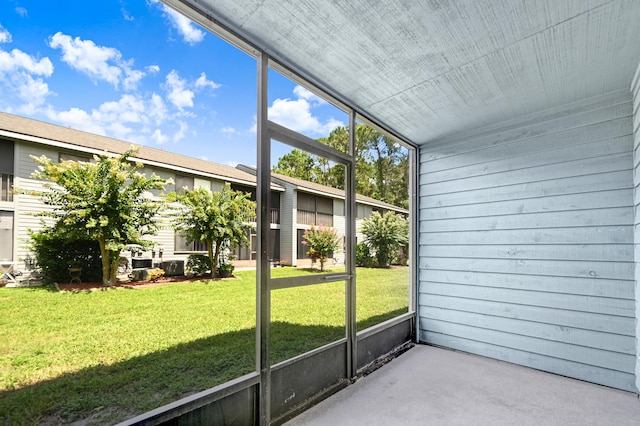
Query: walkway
[433, 386]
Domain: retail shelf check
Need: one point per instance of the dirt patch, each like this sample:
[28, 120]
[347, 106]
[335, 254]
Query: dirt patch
[92, 286]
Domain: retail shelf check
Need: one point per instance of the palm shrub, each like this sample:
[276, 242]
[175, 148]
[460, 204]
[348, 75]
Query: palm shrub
[322, 241]
[385, 234]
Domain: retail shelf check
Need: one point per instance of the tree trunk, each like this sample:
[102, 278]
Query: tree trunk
[114, 256]
[216, 255]
[213, 263]
[106, 262]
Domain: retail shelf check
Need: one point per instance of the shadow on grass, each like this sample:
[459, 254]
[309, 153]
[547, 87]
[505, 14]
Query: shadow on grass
[107, 394]
[112, 393]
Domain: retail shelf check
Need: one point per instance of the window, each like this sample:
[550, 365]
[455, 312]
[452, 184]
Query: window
[314, 209]
[6, 235]
[181, 245]
[65, 156]
[6, 170]
[6, 185]
[183, 182]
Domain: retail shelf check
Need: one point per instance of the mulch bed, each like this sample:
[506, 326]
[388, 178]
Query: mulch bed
[132, 284]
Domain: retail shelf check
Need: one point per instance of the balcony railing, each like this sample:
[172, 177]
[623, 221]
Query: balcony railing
[6, 186]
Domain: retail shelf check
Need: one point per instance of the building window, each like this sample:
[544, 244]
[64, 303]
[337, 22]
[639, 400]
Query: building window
[6, 170]
[183, 182]
[6, 235]
[6, 186]
[181, 245]
[65, 156]
[314, 209]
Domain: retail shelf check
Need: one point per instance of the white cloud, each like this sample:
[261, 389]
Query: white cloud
[126, 15]
[203, 82]
[33, 92]
[178, 93]
[22, 11]
[232, 163]
[295, 114]
[18, 60]
[76, 118]
[5, 36]
[97, 62]
[303, 93]
[157, 111]
[159, 138]
[21, 79]
[85, 56]
[181, 132]
[129, 109]
[190, 34]
[229, 130]
[119, 130]
[153, 69]
[127, 118]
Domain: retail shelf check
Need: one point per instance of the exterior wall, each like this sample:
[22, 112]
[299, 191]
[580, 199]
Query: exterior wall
[288, 213]
[635, 91]
[526, 242]
[26, 205]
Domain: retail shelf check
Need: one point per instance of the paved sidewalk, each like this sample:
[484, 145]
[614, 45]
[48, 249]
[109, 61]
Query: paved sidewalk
[433, 386]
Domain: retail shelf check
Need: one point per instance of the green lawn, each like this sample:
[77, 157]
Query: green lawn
[107, 355]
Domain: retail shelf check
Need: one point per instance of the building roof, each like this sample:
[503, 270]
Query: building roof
[307, 186]
[16, 127]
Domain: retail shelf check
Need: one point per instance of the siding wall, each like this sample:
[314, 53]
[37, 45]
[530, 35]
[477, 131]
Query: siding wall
[635, 90]
[526, 242]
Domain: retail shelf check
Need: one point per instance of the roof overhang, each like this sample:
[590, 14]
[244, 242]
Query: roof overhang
[427, 70]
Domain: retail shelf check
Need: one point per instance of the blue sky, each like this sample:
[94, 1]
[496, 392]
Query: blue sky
[139, 72]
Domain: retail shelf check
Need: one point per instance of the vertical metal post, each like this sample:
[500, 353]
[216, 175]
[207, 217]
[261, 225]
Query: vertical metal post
[263, 294]
[350, 250]
[413, 238]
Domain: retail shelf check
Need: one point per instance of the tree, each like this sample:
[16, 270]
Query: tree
[106, 200]
[217, 218]
[385, 233]
[382, 165]
[322, 241]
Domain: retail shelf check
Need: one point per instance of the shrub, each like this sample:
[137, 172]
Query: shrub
[322, 241]
[363, 256]
[199, 264]
[155, 274]
[225, 270]
[385, 234]
[55, 252]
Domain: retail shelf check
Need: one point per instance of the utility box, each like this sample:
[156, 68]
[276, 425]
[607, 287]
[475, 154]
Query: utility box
[139, 274]
[141, 262]
[173, 268]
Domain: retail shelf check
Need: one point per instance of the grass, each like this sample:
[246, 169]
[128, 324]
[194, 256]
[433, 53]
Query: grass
[110, 354]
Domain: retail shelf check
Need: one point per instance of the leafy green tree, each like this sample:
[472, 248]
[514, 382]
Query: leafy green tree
[322, 241]
[382, 165]
[105, 200]
[385, 233]
[217, 218]
[299, 164]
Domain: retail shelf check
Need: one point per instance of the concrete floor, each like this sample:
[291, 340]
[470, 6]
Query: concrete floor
[433, 386]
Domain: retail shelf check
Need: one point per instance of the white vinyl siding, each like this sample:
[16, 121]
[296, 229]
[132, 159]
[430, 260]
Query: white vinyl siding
[635, 91]
[526, 242]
